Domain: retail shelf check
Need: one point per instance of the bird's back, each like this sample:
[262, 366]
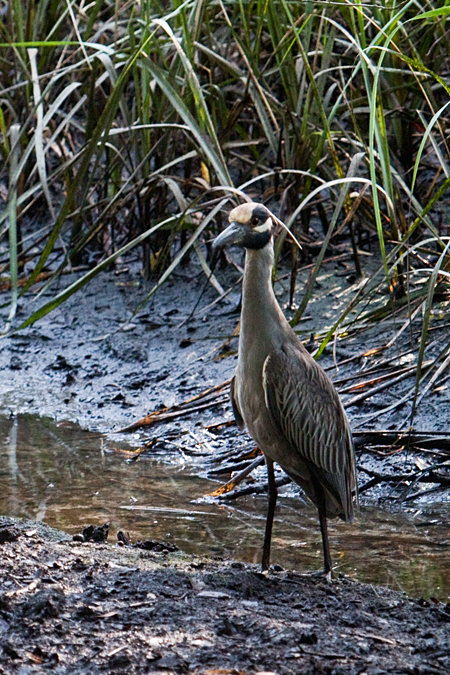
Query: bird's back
[305, 407]
[294, 414]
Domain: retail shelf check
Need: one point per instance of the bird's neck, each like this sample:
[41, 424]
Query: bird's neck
[261, 313]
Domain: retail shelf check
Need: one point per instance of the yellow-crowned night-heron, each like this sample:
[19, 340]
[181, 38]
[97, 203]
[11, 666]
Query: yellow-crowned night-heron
[284, 398]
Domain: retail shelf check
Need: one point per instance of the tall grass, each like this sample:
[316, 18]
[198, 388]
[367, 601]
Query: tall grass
[119, 122]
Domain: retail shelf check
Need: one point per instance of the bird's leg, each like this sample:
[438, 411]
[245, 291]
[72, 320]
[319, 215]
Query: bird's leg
[327, 565]
[272, 500]
[321, 504]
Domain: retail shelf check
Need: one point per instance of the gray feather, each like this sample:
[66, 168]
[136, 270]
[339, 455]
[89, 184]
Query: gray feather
[305, 406]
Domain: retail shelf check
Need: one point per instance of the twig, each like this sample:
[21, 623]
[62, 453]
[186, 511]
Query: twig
[162, 416]
[233, 482]
[436, 439]
[379, 367]
[252, 489]
[379, 375]
[427, 475]
[385, 385]
[393, 406]
[168, 414]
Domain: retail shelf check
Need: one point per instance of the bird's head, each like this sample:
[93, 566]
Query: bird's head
[251, 226]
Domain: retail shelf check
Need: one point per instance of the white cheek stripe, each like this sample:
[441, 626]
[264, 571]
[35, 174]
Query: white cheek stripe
[265, 227]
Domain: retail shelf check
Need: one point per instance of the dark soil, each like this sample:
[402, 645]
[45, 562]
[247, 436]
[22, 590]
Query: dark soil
[91, 361]
[70, 607]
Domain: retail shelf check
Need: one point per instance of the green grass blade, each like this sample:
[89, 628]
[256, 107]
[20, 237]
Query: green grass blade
[181, 253]
[95, 145]
[424, 140]
[202, 140]
[12, 217]
[39, 133]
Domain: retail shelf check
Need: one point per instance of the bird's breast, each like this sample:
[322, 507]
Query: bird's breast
[257, 418]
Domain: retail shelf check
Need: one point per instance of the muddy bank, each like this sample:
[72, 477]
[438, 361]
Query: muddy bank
[91, 362]
[95, 362]
[63, 475]
[73, 607]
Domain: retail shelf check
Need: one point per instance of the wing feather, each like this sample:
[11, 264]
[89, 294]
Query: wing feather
[305, 406]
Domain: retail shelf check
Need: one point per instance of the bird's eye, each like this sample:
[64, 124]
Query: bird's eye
[255, 221]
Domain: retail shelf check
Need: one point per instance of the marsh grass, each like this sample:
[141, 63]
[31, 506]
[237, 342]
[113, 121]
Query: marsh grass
[126, 125]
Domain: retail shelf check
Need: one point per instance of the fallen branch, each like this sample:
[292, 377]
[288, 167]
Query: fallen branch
[427, 475]
[378, 375]
[233, 482]
[422, 439]
[170, 413]
[254, 489]
[5, 282]
[408, 372]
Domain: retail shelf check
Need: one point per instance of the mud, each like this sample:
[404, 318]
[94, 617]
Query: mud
[96, 362]
[67, 607]
[91, 362]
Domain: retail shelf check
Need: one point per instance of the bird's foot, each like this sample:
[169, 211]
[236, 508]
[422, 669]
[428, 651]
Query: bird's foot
[328, 576]
[271, 568]
[323, 574]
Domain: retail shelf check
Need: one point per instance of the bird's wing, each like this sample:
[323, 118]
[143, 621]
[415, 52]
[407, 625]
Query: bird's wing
[234, 403]
[306, 408]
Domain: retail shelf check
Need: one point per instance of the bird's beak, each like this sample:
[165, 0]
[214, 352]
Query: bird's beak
[234, 234]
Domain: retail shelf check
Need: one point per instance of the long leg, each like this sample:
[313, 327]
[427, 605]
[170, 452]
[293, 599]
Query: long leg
[327, 565]
[322, 507]
[272, 500]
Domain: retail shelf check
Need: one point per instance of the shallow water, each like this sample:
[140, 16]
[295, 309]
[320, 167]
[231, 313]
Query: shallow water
[69, 478]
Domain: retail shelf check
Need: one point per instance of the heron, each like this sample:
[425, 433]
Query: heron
[283, 397]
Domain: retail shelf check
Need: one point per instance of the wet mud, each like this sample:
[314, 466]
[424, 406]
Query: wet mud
[87, 608]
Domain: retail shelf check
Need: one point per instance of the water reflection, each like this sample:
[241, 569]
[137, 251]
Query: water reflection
[63, 475]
